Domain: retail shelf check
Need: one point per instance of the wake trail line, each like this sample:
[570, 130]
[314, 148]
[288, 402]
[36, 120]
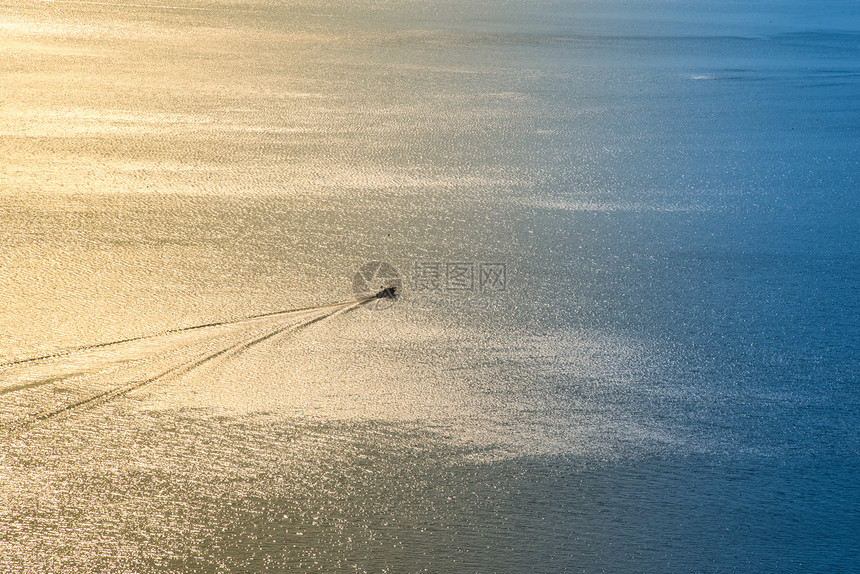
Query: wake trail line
[110, 394]
[157, 355]
[66, 352]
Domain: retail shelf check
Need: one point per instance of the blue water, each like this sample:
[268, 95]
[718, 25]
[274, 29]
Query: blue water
[667, 383]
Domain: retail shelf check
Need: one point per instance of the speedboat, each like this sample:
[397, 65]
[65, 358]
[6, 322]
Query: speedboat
[387, 293]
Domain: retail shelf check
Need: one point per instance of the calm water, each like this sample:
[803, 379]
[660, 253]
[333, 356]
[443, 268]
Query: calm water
[663, 378]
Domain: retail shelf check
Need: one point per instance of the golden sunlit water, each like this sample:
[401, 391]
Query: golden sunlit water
[623, 239]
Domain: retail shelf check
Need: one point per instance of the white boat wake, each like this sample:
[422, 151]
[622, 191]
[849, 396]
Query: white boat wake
[46, 387]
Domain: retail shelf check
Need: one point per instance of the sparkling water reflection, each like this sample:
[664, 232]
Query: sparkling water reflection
[667, 382]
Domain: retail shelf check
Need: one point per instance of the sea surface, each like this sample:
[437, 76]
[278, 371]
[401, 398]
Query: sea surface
[625, 239]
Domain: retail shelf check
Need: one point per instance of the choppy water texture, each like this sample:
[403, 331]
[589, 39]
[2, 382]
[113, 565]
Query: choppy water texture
[641, 353]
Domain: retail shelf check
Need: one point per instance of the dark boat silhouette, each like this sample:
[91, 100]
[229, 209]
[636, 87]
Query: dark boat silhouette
[387, 293]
